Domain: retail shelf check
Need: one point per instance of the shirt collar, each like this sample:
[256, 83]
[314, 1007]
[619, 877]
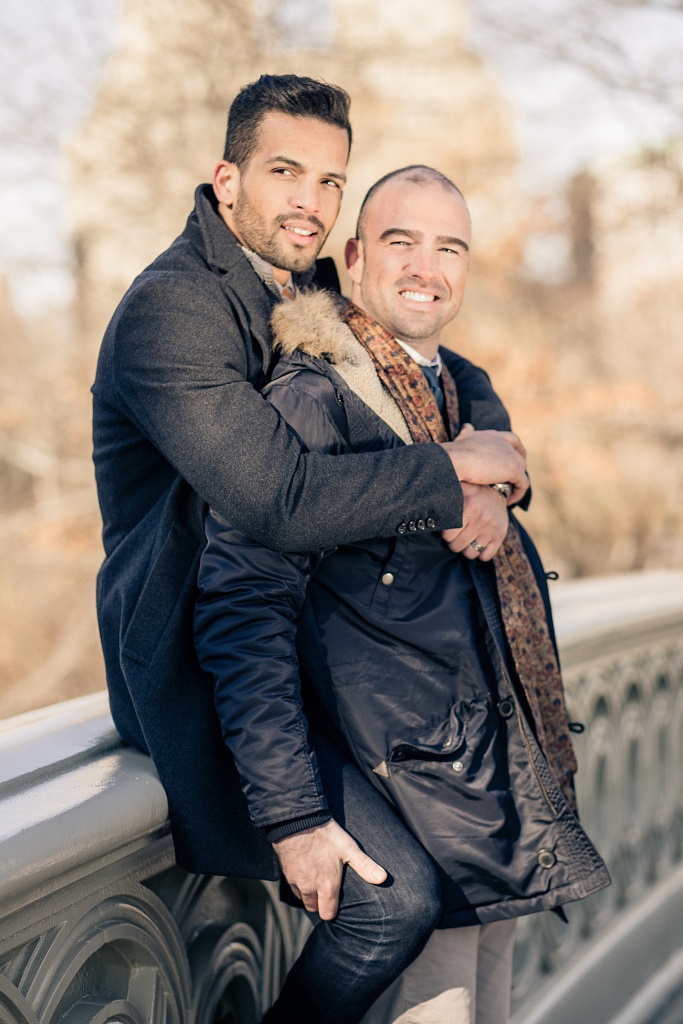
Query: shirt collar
[421, 360]
[265, 272]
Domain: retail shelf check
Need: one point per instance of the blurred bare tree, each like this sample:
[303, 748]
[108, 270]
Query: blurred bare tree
[597, 38]
[52, 57]
[581, 338]
[593, 363]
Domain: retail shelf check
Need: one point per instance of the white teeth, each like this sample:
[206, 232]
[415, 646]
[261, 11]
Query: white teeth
[418, 296]
[300, 231]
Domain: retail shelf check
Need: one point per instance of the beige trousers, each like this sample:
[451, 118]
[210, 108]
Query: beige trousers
[462, 976]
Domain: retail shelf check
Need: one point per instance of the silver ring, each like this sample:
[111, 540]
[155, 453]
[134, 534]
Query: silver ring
[477, 546]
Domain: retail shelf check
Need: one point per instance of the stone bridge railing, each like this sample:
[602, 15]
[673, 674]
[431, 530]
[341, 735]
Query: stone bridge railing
[98, 925]
[620, 958]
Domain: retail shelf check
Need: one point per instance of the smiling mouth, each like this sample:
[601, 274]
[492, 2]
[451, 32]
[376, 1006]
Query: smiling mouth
[302, 232]
[418, 296]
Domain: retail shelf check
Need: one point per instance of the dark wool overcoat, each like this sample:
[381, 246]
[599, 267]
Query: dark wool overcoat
[178, 425]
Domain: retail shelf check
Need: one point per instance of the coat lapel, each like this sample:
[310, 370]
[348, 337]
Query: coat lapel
[246, 291]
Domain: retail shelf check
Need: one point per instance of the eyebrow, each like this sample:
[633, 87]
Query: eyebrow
[415, 236]
[282, 159]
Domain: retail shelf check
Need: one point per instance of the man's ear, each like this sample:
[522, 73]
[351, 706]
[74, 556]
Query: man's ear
[226, 179]
[353, 254]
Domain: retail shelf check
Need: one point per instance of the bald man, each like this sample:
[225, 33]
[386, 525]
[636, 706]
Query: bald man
[394, 706]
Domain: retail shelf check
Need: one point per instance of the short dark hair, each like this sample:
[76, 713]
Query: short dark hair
[418, 174]
[285, 94]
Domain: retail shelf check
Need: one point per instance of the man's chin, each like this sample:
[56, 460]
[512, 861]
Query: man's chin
[298, 263]
[412, 330]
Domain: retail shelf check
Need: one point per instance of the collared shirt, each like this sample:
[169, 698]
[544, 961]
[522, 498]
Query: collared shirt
[432, 370]
[265, 272]
[436, 363]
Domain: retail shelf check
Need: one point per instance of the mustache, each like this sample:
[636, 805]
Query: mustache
[288, 217]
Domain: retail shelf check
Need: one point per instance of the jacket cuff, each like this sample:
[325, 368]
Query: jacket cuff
[290, 828]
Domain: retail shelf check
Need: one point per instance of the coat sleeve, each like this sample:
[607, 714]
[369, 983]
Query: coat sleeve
[182, 355]
[245, 627]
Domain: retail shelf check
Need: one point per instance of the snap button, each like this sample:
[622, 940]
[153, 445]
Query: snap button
[401, 528]
[506, 708]
[546, 859]
[431, 523]
[412, 526]
[388, 579]
[421, 525]
[457, 766]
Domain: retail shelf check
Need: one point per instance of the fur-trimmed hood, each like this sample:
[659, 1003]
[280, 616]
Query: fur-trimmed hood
[310, 323]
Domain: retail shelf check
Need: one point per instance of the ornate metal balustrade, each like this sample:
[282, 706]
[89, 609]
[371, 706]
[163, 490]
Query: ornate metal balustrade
[99, 926]
[621, 642]
[97, 923]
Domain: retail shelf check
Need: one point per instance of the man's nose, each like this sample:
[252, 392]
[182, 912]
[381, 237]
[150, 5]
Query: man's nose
[424, 263]
[306, 196]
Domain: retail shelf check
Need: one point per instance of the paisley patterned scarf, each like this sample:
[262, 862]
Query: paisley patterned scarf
[521, 603]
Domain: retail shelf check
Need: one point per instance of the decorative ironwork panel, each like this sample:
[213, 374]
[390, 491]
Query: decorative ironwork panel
[625, 685]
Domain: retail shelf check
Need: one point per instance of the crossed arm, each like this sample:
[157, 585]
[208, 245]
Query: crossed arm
[476, 456]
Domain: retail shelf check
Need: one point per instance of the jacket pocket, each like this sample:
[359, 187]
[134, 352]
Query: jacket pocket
[454, 781]
[169, 585]
[443, 742]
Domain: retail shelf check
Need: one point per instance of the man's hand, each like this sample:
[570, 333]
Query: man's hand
[484, 523]
[489, 457]
[312, 861]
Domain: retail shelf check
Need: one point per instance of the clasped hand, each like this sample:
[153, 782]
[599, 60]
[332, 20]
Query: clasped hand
[484, 523]
[489, 457]
[482, 458]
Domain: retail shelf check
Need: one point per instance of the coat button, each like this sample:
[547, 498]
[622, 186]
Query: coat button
[431, 523]
[421, 525]
[412, 526]
[546, 859]
[457, 766]
[388, 579]
[401, 528]
[506, 708]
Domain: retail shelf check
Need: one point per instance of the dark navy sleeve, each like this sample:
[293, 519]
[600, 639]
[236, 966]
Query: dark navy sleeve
[181, 370]
[245, 626]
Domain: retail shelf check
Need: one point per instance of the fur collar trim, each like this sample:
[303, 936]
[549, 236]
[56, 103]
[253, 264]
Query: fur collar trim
[310, 323]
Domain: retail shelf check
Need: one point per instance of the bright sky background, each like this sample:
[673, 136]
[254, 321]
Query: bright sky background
[562, 62]
[53, 52]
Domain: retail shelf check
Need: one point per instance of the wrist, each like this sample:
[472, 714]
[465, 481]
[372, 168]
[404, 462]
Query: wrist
[274, 833]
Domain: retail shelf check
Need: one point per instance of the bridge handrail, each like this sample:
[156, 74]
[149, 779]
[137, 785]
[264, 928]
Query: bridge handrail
[89, 889]
[621, 646]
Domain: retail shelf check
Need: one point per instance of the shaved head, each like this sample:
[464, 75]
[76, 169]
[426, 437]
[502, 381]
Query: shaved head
[409, 262]
[415, 174]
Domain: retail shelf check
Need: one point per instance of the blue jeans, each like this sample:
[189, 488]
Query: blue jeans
[378, 930]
